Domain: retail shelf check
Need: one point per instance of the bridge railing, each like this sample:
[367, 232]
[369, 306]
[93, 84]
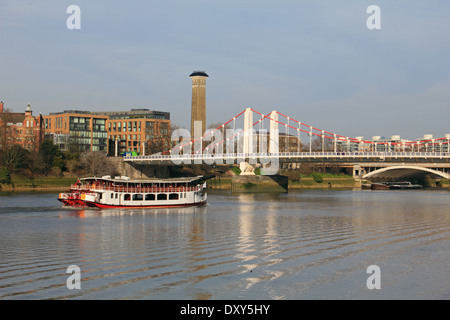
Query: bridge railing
[366, 154]
[381, 155]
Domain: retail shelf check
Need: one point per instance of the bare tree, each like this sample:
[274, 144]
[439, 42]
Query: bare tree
[218, 125]
[14, 158]
[95, 163]
[156, 145]
[6, 131]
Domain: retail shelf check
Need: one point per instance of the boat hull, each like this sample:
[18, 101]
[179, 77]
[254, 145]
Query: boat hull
[73, 203]
[395, 186]
[379, 186]
[108, 206]
[71, 199]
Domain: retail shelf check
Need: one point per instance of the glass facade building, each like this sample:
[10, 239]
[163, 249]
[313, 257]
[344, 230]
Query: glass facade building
[77, 130]
[141, 131]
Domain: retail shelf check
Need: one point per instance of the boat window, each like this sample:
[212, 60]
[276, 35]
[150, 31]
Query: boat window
[138, 197]
[126, 197]
[173, 196]
[149, 197]
[112, 195]
[116, 195]
[162, 196]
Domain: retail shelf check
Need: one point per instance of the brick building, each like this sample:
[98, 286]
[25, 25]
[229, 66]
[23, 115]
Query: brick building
[76, 130]
[23, 129]
[141, 131]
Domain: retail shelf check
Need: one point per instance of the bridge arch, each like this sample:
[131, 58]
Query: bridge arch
[403, 172]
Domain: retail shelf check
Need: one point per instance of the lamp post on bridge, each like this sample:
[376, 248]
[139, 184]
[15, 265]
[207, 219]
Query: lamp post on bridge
[335, 142]
[310, 141]
[323, 141]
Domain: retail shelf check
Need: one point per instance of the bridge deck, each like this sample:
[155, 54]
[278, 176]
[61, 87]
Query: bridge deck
[414, 157]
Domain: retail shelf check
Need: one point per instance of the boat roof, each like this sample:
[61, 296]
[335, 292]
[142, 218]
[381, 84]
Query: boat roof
[151, 180]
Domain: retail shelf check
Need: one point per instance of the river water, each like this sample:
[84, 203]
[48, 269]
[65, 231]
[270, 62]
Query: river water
[314, 244]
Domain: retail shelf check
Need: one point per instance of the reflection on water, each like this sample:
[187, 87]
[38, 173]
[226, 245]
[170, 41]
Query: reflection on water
[308, 244]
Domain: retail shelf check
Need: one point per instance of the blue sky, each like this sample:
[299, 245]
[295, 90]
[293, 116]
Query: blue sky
[314, 60]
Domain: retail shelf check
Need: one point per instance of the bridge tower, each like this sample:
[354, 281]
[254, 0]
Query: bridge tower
[274, 133]
[248, 131]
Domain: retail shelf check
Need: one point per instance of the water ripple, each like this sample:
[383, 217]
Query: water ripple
[268, 251]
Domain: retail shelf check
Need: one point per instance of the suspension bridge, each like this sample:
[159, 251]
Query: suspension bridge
[274, 139]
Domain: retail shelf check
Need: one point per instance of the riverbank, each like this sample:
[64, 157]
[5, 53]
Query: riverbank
[39, 184]
[49, 183]
[224, 183]
[217, 183]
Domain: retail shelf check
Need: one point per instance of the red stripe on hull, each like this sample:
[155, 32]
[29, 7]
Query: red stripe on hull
[107, 206]
[73, 203]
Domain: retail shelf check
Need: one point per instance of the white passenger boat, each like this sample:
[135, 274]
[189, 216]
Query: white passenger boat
[123, 192]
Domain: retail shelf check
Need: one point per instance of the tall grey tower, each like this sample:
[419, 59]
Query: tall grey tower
[198, 111]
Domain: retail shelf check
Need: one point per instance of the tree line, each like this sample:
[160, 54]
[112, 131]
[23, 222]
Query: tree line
[48, 159]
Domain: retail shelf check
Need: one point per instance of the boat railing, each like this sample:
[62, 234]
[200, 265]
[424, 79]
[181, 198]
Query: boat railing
[124, 189]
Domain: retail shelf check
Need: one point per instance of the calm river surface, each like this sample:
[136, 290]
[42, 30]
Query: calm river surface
[303, 245]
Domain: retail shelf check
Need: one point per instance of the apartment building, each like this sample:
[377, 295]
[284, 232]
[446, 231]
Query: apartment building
[77, 130]
[138, 131]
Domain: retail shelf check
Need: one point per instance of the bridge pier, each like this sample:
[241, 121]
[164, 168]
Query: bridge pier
[358, 171]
